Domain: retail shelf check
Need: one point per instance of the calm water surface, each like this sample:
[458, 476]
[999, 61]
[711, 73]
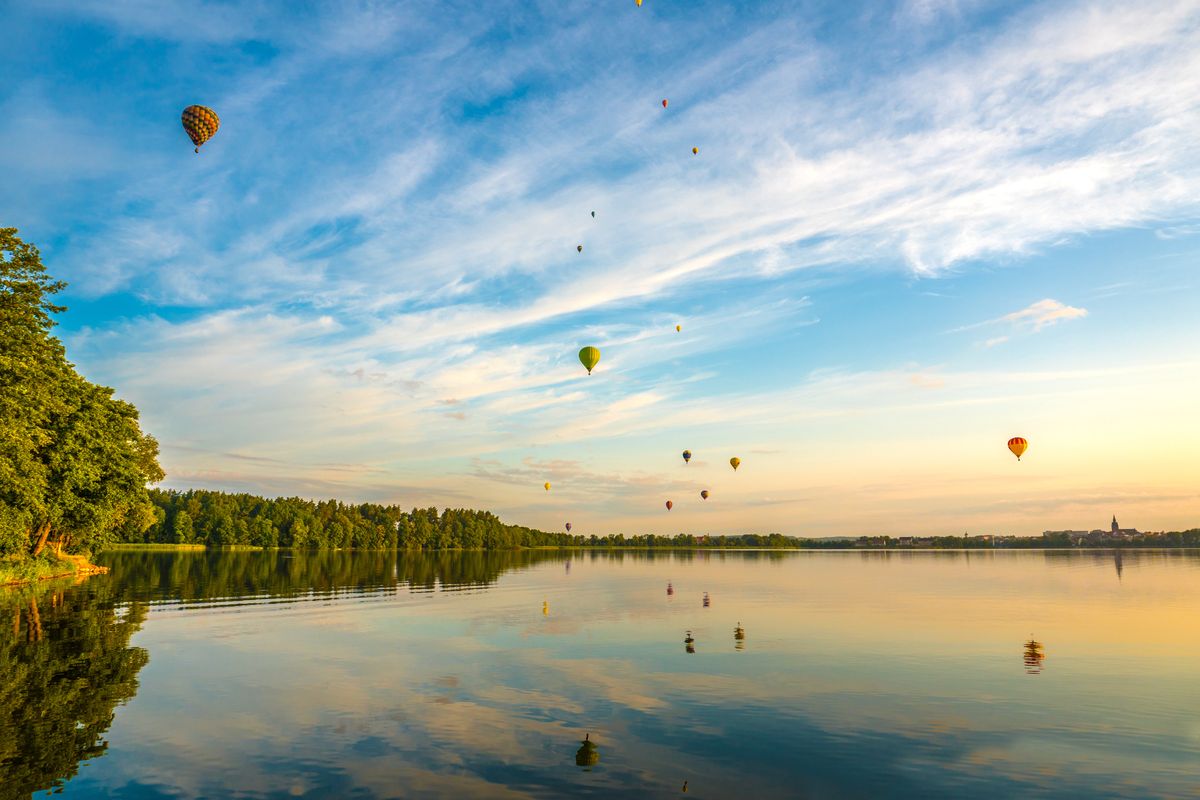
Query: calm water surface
[263, 675]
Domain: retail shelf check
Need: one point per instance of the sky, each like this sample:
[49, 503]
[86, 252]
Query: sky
[912, 231]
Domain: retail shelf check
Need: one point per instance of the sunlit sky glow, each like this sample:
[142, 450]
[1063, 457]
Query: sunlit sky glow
[913, 230]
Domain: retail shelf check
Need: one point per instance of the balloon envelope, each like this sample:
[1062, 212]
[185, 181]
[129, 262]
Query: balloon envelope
[695, 150]
[547, 485]
[664, 102]
[201, 124]
[589, 357]
[568, 527]
[704, 494]
[678, 328]
[735, 462]
[1018, 446]
[670, 505]
[687, 456]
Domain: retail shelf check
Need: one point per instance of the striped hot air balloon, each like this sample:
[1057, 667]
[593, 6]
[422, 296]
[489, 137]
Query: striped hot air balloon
[589, 357]
[1018, 446]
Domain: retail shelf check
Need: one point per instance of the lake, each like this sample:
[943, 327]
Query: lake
[553, 674]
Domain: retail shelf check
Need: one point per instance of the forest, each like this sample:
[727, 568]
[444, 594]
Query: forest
[221, 519]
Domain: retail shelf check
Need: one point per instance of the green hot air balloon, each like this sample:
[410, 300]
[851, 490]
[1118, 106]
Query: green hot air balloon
[589, 357]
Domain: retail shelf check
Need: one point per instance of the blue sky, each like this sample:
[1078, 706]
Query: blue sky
[913, 230]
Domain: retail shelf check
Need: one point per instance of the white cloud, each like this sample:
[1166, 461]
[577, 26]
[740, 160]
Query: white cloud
[1033, 318]
[1043, 313]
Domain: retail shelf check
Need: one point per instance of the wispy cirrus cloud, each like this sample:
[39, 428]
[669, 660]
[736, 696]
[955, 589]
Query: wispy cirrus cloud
[1031, 319]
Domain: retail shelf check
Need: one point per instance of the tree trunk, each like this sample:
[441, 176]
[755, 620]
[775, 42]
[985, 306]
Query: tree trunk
[42, 534]
[35, 621]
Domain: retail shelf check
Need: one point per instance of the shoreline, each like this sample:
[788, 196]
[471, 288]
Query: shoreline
[23, 573]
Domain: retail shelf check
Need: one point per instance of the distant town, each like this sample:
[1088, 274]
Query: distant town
[1113, 536]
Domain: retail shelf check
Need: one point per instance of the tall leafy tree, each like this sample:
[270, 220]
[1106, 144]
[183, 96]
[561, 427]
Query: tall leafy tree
[74, 463]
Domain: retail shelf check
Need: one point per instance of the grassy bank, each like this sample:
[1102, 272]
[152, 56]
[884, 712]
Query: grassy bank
[154, 546]
[14, 571]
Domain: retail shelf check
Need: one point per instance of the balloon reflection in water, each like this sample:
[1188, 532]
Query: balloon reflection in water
[588, 755]
[1034, 656]
[706, 600]
[739, 637]
[689, 643]
[670, 589]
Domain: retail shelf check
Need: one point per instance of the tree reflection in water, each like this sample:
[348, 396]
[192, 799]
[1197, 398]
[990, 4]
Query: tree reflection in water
[65, 666]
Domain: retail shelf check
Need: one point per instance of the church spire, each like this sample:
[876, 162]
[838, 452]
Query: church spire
[1115, 526]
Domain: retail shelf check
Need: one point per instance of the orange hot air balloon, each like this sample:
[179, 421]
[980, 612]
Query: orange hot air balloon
[704, 494]
[670, 505]
[1018, 446]
[201, 124]
[664, 102]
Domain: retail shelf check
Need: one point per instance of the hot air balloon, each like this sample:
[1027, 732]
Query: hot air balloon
[547, 485]
[589, 357]
[678, 328]
[735, 462]
[664, 102]
[201, 124]
[639, 3]
[687, 456]
[670, 505]
[704, 494]
[593, 215]
[579, 248]
[1018, 446]
[587, 755]
[695, 151]
[568, 527]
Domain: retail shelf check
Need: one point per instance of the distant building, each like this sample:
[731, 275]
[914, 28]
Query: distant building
[1115, 533]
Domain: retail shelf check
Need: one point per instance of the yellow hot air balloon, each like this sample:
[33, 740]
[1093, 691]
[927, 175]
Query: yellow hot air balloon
[695, 151]
[678, 328]
[639, 3]
[201, 124]
[1018, 446]
[589, 357]
[547, 484]
[735, 462]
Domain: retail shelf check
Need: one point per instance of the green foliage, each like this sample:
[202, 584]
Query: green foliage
[222, 520]
[74, 463]
[65, 665]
